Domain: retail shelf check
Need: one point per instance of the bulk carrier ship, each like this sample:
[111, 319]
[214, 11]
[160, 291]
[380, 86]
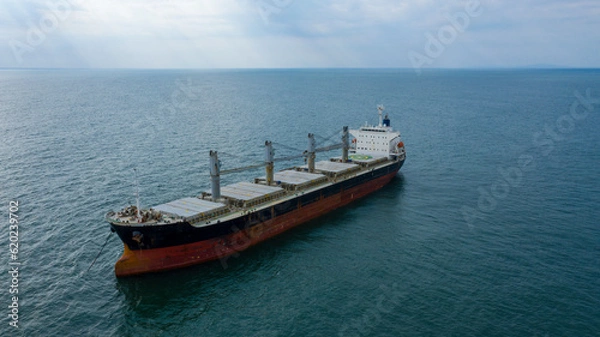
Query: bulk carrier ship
[226, 220]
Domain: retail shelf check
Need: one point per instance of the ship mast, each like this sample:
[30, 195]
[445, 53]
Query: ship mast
[345, 144]
[215, 176]
[137, 196]
[311, 152]
[380, 109]
[269, 153]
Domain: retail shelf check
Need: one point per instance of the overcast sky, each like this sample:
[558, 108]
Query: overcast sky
[299, 33]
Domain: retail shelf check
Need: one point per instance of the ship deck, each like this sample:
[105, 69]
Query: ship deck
[295, 180]
[333, 168]
[237, 199]
[192, 209]
[188, 207]
[246, 194]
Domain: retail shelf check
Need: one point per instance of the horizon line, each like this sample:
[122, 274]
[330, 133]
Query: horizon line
[534, 67]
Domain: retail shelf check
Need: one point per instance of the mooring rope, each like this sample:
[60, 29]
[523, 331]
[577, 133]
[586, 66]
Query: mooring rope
[101, 249]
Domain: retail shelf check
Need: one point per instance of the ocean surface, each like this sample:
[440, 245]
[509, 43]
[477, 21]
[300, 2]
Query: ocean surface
[490, 229]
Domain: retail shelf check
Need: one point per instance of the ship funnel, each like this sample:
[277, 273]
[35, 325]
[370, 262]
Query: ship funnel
[386, 120]
[269, 153]
[345, 144]
[215, 176]
[311, 152]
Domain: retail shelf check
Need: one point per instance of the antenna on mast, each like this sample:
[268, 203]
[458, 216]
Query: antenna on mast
[137, 195]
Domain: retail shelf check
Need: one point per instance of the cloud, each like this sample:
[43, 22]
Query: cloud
[294, 33]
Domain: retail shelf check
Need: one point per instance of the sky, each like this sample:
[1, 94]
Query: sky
[299, 33]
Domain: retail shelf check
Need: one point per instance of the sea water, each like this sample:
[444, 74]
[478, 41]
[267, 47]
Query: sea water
[490, 229]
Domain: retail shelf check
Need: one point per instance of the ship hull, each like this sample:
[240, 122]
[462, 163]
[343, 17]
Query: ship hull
[181, 245]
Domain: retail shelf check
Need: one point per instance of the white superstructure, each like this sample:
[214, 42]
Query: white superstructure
[377, 140]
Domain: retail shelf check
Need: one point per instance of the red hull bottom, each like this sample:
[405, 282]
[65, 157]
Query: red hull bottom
[135, 262]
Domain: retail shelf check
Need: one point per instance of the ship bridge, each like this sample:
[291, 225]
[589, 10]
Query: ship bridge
[375, 141]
